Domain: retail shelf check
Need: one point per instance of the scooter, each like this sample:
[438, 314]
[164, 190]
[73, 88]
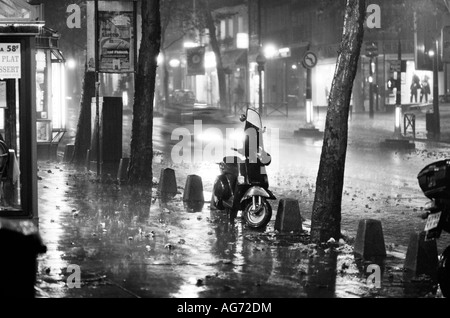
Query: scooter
[243, 183]
[434, 180]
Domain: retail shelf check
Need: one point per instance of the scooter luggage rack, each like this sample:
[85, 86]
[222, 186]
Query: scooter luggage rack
[230, 164]
[434, 179]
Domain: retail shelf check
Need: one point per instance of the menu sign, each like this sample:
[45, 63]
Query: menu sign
[10, 60]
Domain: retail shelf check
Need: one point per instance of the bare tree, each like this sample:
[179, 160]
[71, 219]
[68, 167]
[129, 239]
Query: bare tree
[141, 152]
[326, 214]
[215, 46]
[177, 20]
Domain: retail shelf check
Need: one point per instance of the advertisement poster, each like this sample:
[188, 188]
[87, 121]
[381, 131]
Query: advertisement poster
[195, 61]
[115, 41]
[2, 94]
[10, 60]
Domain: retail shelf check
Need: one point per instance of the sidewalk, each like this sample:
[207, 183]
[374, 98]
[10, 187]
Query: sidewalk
[128, 243]
[381, 126]
[126, 249]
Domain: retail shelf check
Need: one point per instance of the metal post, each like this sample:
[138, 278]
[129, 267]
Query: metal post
[260, 105]
[285, 79]
[398, 100]
[259, 66]
[309, 107]
[97, 87]
[370, 88]
[436, 92]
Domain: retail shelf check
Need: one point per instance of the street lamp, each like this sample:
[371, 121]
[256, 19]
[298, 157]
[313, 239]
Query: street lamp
[71, 64]
[261, 61]
[270, 51]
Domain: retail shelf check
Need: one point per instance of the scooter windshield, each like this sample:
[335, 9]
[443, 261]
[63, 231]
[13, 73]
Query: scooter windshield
[253, 118]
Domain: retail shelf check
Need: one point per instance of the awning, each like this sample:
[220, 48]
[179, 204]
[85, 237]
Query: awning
[231, 59]
[16, 9]
[57, 56]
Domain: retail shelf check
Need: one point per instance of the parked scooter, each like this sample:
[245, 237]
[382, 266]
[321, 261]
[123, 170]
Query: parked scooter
[434, 180]
[243, 183]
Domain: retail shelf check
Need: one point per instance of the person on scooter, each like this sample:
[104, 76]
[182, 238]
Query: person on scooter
[254, 152]
[256, 158]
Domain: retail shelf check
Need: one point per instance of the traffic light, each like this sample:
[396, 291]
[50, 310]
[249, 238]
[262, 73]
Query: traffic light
[391, 83]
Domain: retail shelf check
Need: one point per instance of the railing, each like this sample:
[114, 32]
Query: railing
[269, 109]
[409, 120]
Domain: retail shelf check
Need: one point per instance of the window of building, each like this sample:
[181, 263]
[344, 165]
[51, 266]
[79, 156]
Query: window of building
[223, 30]
[240, 24]
[230, 27]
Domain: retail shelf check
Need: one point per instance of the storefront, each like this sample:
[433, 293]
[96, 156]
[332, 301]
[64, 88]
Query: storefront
[50, 94]
[19, 27]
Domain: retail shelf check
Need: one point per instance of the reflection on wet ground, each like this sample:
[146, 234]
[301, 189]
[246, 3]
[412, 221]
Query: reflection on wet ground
[129, 243]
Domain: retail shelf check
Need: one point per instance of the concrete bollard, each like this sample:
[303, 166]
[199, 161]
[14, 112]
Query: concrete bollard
[167, 183]
[122, 171]
[421, 256]
[369, 239]
[288, 216]
[68, 153]
[193, 206]
[193, 191]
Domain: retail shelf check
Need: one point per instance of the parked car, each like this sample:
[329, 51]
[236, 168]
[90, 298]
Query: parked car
[179, 100]
[207, 114]
[183, 96]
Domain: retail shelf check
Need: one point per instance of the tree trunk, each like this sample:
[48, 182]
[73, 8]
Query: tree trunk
[141, 153]
[83, 135]
[221, 76]
[326, 214]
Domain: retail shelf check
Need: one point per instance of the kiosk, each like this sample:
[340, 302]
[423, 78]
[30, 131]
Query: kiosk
[18, 183]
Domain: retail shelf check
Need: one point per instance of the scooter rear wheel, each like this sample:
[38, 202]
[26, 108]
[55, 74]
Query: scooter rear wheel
[444, 273]
[259, 217]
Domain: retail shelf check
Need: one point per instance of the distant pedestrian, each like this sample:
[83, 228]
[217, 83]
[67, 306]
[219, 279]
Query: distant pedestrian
[425, 89]
[415, 86]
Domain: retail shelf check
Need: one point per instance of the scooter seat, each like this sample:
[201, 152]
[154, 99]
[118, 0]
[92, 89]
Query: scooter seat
[228, 165]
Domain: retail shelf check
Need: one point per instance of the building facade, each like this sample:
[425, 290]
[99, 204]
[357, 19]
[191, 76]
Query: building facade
[284, 30]
[298, 26]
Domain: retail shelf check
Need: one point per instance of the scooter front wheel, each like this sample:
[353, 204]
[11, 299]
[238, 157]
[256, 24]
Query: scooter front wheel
[258, 215]
[444, 273]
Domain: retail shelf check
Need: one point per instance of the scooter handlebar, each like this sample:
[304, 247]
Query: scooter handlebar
[240, 151]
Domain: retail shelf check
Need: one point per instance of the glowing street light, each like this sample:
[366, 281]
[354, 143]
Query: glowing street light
[270, 51]
[71, 64]
[189, 44]
[174, 63]
[160, 58]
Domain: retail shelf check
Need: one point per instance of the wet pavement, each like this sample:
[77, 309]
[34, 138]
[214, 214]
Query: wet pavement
[128, 242]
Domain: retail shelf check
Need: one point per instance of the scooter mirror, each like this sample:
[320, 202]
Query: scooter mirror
[242, 118]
